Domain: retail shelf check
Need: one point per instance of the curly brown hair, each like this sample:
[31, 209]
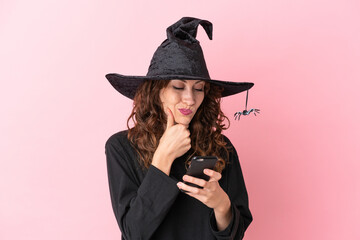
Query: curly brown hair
[150, 123]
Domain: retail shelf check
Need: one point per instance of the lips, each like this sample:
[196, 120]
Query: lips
[185, 111]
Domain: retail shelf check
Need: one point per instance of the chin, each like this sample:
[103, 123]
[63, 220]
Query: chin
[183, 121]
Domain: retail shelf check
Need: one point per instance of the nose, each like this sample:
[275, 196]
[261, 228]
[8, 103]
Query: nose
[188, 97]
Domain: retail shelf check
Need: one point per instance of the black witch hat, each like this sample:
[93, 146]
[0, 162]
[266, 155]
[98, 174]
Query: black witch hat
[178, 57]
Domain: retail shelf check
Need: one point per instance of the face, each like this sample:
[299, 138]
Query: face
[183, 97]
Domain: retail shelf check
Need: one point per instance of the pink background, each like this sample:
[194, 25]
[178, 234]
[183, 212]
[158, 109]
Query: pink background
[300, 156]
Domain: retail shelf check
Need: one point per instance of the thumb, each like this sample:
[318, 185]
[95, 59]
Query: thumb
[170, 119]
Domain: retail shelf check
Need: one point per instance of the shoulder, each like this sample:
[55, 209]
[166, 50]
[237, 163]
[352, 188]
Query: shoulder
[117, 138]
[228, 142]
[119, 149]
[119, 142]
[233, 156]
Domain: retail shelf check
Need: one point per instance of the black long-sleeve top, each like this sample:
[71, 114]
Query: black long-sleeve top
[148, 204]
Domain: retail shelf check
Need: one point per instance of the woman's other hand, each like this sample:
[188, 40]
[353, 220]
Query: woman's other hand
[174, 143]
[212, 195]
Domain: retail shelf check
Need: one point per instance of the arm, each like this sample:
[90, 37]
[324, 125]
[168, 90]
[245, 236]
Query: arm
[140, 202]
[139, 205]
[237, 193]
[231, 215]
[212, 195]
[223, 214]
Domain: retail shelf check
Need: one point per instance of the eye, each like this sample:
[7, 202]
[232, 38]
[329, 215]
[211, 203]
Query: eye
[199, 88]
[178, 88]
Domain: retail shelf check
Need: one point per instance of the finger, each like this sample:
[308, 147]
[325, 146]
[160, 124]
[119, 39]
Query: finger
[198, 181]
[196, 196]
[212, 174]
[170, 119]
[189, 189]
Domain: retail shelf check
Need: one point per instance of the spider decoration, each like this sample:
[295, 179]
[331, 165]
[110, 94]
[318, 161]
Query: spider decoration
[246, 112]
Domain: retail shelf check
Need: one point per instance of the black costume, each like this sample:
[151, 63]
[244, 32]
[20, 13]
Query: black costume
[148, 204]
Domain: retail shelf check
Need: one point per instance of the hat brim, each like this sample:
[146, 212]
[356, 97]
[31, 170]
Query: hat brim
[127, 85]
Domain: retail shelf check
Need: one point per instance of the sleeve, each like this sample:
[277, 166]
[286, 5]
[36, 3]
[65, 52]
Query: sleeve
[236, 190]
[139, 207]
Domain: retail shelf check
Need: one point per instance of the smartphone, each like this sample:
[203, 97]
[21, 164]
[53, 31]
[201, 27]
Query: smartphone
[197, 166]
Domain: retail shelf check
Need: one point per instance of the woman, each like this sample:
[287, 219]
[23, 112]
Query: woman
[176, 116]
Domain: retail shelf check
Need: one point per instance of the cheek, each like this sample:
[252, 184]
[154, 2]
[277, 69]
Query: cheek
[199, 100]
[168, 99]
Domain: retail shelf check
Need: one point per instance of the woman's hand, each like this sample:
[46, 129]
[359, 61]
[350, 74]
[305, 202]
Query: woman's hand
[174, 143]
[212, 195]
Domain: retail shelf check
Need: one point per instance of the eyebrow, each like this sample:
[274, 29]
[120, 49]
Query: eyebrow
[195, 82]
